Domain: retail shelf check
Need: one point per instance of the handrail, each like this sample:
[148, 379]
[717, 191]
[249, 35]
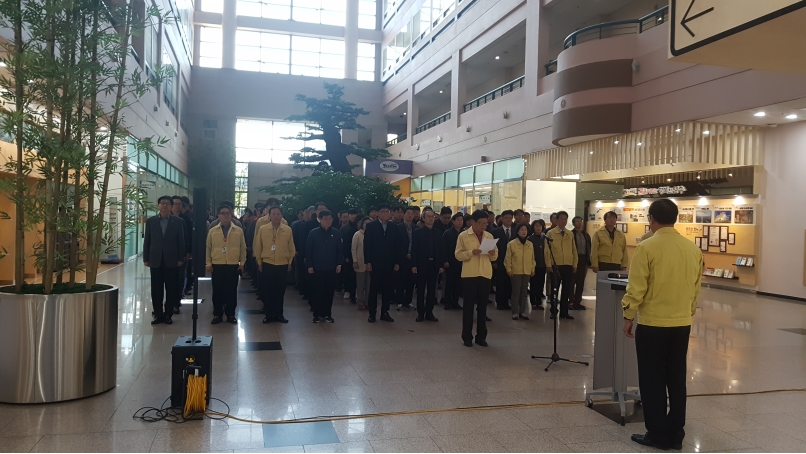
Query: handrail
[497, 93]
[439, 120]
[551, 67]
[399, 139]
[617, 28]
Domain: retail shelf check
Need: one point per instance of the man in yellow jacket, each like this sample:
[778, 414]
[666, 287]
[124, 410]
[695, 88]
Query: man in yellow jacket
[561, 249]
[226, 257]
[274, 252]
[664, 283]
[609, 246]
[477, 275]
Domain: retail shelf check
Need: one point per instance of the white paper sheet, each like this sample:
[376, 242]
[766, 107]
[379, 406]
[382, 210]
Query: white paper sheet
[487, 245]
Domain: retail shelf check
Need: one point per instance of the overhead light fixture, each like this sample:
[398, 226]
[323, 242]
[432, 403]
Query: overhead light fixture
[668, 179]
[677, 130]
[598, 204]
[739, 200]
[440, 91]
[706, 132]
[644, 202]
[792, 117]
[640, 143]
[730, 174]
[616, 142]
[404, 113]
[760, 114]
[620, 203]
[591, 152]
[569, 151]
[497, 57]
[703, 201]
[642, 181]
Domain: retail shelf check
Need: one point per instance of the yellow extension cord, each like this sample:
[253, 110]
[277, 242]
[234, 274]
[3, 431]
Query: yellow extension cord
[196, 399]
[456, 410]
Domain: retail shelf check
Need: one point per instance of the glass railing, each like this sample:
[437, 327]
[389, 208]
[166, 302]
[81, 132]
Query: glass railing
[399, 139]
[497, 93]
[618, 28]
[436, 121]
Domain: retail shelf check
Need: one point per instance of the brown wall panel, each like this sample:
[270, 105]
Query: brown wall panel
[592, 120]
[600, 74]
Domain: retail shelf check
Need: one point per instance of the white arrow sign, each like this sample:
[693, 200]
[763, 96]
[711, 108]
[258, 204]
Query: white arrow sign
[696, 23]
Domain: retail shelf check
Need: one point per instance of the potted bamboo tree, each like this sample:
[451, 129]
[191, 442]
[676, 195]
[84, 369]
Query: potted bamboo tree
[68, 80]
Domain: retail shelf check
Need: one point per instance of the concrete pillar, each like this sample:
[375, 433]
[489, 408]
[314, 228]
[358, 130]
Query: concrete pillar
[458, 88]
[413, 115]
[229, 24]
[196, 44]
[351, 41]
[537, 44]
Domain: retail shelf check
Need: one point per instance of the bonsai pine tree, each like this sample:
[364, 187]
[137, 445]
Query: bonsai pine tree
[325, 119]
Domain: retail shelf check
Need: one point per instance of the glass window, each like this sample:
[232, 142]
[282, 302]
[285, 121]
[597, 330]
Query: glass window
[427, 183]
[438, 181]
[272, 9]
[169, 90]
[484, 173]
[452, 179]
[212, 6]
[416, 184]
[151, 42]
[270, 141]
[328, 12]
[466, 176]
[317, 57]
[366, 61]
[210, 47]
[264, 52]
[367, 12]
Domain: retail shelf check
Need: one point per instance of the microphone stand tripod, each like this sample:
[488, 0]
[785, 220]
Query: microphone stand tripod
[555, 289]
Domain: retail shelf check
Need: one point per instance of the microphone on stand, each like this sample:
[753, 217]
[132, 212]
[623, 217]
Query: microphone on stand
[546, 237]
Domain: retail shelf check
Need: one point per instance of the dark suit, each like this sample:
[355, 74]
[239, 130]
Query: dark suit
[382, 250]
[405, 279]
[453, 274]
[503, 286]
[426, 256]
[163, 253]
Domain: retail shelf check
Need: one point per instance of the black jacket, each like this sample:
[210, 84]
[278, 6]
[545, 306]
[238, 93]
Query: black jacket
[169, 247]
[404, 237]
[449, 240]
[427, 248]
[323, 251]
[442, 227]
[538, 244]
[500, 235]
[382, 249]
[587, 244]
[188, 232]
[347, 231]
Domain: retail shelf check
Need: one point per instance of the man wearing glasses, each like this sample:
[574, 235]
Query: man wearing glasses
[164, 253]
[226, 256]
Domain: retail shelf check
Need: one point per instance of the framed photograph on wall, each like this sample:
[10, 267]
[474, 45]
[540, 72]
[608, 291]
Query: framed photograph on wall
[698, 242]
[705, 231]
[723, 232]
[731, 238]
[704, 244]
[723, 246]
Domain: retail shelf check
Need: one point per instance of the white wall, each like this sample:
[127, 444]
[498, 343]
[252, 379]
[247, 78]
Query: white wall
[550, 196]
[783, 218]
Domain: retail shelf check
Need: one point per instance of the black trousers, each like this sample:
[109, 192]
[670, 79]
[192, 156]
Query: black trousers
[453, 284]
[323, 284]
[164, 285]
[382, 280]
[348, 276]
[405, 281]
[503, 287]
[188, 276]
[661, 356]
[566, 281]
[273, 280]
[536, 284]
[579, 279]
[180, 282]
[225, 290]
[427, 288]
[476, 292]
[302, 272]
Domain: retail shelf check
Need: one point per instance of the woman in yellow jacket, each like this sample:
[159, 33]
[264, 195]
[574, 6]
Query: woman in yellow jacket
[520, 265]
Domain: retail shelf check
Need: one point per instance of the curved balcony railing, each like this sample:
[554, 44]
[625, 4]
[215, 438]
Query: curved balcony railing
[436, 121]
[551, 67]
[497, 93]
[400, 138]
[618, 28]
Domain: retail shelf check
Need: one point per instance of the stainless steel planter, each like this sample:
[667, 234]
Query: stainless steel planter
[57, 347]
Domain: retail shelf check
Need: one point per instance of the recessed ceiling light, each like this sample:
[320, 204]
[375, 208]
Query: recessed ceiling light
[677, 130]
[404, 113]
[698, 177]
[760, 114]
[792, 117]
[591, 152]
[705, 133]
[497, 57]
[640, 143]
[668, 179]
[616, 142]
[730, 174]
[642, 182]
[440, 91]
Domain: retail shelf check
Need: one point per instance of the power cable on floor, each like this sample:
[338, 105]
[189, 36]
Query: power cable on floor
[212, 414]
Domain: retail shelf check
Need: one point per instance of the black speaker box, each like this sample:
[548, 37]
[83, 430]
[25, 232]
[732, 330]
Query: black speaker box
[185, 349]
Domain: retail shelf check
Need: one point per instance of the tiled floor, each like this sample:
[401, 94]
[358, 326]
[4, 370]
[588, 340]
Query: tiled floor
[353, 367]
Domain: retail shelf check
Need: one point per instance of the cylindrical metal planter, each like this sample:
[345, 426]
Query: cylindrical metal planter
[57, 347]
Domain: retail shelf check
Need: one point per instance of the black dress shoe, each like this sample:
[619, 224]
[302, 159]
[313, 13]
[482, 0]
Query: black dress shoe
[156, 320]
[538, 307]
[371, 318]
[644, 440]
[329, 319]
[580, 307]
[317, 320]
[482, 343]
[267, 320]
[552, 316]
[216, 320]
[176, 310]
[386, 317]
[488, 318]
[168, 320]
[281, 319]
[232, 319]
[419, 318]
[468, 343]
[431, 318]
[567, 317]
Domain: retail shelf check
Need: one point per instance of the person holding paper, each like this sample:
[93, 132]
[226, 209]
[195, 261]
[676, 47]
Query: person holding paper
[476, 249]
